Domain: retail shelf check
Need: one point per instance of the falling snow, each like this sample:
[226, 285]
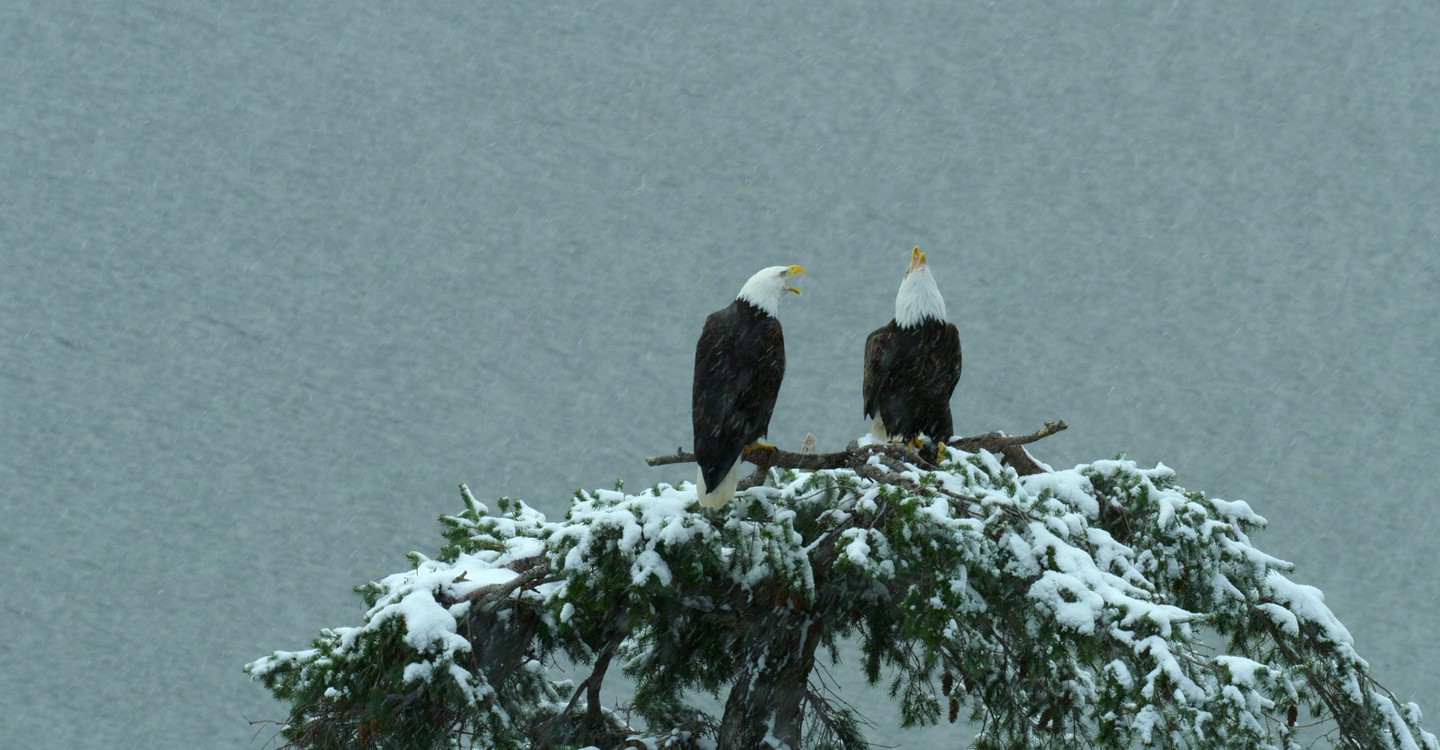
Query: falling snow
[273, 282]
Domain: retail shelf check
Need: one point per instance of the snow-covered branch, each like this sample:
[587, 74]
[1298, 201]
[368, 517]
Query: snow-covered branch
[1102, 606]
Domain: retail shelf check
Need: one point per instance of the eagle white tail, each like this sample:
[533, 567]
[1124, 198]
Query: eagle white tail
[720, 496]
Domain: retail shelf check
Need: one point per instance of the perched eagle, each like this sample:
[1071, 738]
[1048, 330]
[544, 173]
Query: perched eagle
[912, 363]
[739, 362]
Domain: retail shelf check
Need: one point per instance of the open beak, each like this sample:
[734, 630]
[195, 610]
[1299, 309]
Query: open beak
[917, 259]
[794, 271]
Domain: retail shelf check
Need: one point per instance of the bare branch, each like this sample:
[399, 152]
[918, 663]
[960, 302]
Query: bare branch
[1023, 463]
[996, 442]
[531, 570]
[780, 459]
[853, 456]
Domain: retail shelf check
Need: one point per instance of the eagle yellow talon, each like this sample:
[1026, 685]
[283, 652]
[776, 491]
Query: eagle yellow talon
[760, 445]
[940, 452]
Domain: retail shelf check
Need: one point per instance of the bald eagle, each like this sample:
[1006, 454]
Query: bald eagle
[739, 362]
[912, 363]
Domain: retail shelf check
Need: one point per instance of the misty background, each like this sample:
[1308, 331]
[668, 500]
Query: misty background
[276, 277]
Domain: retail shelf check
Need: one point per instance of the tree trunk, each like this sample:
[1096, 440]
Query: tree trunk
[765, 708]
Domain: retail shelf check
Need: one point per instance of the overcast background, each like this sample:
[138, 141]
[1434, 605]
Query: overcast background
[276, 277]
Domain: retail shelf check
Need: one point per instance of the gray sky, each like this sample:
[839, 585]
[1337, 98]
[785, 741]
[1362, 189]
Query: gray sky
[276, 278]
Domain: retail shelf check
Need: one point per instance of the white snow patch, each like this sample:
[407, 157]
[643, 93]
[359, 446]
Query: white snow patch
[420, 670]
[1069, 486]
[1074, 605]
[428, 626]
[649, 564]
[1308, 604]
[1243, 671]
[857, 550]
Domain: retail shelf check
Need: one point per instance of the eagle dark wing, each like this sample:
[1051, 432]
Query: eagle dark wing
[879, 360]
[946, 375]
[949, 352]
[759, 405]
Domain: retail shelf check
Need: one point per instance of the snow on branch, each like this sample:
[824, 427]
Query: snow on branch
[1102, 606]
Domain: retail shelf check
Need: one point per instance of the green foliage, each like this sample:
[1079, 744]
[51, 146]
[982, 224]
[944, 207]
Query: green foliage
[1073, 609]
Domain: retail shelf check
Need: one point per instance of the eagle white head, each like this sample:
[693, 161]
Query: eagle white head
[766, 287]
[918, 297]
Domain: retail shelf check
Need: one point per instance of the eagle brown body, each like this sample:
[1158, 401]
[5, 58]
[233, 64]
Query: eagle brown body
[910, 374]
[912, 363]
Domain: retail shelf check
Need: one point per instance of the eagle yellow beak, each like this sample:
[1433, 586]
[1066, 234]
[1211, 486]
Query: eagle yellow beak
[794, 271]
[917, 259]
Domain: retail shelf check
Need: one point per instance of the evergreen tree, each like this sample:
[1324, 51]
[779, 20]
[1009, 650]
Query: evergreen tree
[1098, 607]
